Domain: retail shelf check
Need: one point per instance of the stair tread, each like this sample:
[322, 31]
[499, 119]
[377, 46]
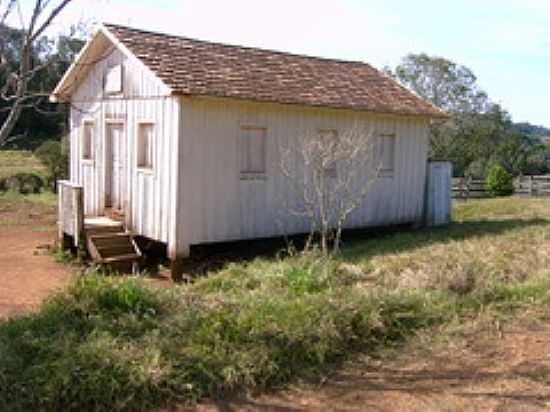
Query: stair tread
[121, 258]
[112, 243]
[113, 235]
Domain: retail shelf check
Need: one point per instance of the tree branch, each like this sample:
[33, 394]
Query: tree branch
[19, 81]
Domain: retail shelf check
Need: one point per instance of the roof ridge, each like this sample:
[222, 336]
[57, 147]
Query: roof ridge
[207, 68]
[237, 46]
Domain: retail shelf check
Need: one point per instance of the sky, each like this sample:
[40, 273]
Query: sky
[505, 42]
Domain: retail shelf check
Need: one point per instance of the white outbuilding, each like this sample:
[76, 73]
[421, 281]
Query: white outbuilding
[180, 138]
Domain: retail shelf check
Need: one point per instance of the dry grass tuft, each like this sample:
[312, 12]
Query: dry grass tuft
[492, 241]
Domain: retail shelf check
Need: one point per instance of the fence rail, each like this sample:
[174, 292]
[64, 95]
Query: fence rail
[471, 188]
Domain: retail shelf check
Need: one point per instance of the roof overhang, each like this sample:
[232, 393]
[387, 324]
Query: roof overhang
[95, 49]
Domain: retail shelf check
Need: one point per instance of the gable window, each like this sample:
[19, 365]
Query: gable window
[145, 145]
[252, 152]
[386, 149]
[112, 82]
[88, 131]
[329, 137]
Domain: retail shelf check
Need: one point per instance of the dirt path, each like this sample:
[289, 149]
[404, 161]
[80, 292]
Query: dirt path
[27, 272]
[491, 373]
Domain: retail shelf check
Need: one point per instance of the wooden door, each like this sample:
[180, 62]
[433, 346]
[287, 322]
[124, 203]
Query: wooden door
[115, 167]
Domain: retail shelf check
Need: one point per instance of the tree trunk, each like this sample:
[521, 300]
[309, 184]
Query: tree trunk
[21, 91]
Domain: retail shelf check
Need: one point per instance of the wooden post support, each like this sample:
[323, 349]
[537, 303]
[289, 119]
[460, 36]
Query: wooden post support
[78, 205]
[531, 191]
[60, 214]
[177, 268]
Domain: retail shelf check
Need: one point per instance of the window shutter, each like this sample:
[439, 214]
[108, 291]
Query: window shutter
[386, 152]
[329, 136]
[253, 151]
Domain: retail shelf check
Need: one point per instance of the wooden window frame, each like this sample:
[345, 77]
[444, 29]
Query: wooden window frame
[332, 171]
[106, 74]
[141, 167]
[249, 173]
[88, 156]
[387, 171]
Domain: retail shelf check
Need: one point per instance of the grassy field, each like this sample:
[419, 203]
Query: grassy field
[115, 344]
[17, 161]
[17, 209]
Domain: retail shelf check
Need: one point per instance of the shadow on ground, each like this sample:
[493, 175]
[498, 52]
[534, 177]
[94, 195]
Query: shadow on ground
[357, 244]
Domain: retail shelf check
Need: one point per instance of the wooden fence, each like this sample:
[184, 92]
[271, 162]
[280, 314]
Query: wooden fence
[70, 211]
[471, 188]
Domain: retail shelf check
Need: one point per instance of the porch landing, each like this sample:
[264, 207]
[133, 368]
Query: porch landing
[102, 222]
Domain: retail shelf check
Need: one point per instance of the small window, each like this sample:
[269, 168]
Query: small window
[88, 131]
[112, 82]
[330, 138]
[145, 146]
[387, 153]
[253, 152]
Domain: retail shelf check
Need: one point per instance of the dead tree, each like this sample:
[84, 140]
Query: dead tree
[331, 175]
[16, 91]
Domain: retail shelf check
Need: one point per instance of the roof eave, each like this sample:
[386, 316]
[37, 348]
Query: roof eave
[63, 90]
[435, 114]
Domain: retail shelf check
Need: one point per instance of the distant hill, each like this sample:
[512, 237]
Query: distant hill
[537, 131]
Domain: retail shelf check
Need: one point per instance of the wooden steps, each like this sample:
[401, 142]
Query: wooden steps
[108, 244]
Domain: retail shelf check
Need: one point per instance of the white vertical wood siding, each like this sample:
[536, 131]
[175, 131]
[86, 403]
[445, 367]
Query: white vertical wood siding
[148, 194]
[216, 205]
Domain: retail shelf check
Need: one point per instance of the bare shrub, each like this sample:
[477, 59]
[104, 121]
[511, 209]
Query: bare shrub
[330, 174]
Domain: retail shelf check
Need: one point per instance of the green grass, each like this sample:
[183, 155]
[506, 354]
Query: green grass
[17, 209]
[19, 161]
[115, 344]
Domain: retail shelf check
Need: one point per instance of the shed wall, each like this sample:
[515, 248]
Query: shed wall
[216, 205]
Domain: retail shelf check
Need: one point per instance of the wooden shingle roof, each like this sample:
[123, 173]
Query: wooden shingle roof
[200, 68]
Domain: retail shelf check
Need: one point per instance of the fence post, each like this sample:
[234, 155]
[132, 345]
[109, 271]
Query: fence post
[531, 186]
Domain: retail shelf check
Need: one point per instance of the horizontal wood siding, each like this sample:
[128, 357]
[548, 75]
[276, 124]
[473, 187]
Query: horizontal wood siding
[148, 193]
[216, 205]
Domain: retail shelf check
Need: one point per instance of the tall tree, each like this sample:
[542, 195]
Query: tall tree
[19, 66]
[446, 84]
[478, 132]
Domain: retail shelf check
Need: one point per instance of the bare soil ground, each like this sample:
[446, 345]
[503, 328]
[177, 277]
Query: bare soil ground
[28, 272]
[507, 371]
